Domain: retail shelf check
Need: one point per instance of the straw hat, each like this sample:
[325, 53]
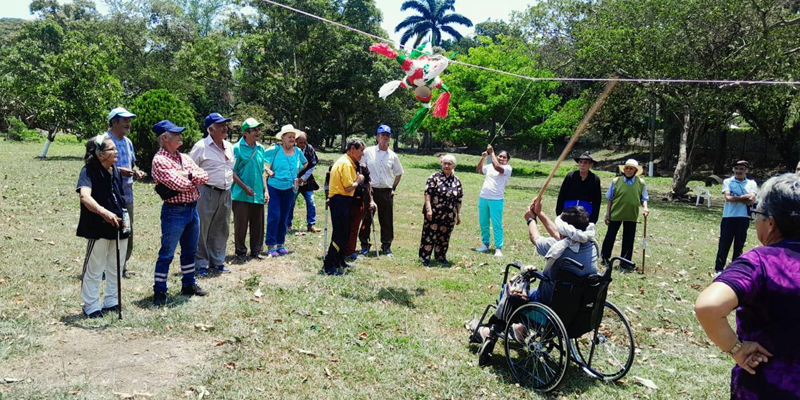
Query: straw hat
[631, 163]
[286, 129]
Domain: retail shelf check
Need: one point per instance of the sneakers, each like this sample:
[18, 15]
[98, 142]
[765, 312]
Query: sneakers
[159, 299]
[273, 253]
[223, 269]
[353, 257]
[314, 229]
[282, 251]
[258, 256]
[717, 273]
[345, 265]
[202, 272]
[498, 253]
[240, 258]
[194, 290]
[364, 250]
[426, 263]
[387, 253]
[96, 314]
[482, 249]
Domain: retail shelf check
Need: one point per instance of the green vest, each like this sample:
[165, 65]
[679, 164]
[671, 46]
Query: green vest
[627, 199]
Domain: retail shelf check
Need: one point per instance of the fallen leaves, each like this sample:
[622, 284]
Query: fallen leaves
[645, 382]
[204, 327]
[307, 353]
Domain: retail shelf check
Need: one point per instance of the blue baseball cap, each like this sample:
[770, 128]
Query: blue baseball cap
[384, 129]
[120, 112]
[215, 118]
[167, 126]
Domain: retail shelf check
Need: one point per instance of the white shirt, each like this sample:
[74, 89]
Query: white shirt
[218, 163]
[494, 185]
[383, 167]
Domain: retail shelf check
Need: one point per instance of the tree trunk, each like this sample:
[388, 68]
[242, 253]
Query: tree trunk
[722, 145]
[680, 176]
[51, 137]
[669, 148]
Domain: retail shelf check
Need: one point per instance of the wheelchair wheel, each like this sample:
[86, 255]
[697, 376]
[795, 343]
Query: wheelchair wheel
[537, 347]
[613, 346]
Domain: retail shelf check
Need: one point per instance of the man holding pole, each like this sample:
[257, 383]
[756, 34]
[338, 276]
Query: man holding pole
[625, 195]
[385, 174]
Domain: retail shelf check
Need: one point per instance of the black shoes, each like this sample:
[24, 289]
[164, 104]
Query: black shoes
[114, 309]
[194, 290]
[96, 314]
[159, 299]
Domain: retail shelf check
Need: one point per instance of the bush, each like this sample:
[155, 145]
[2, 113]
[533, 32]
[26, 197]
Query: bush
[68, 139]
[18, 131]
[153, 106]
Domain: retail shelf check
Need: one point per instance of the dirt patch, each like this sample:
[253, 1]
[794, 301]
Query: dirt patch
[103, 362]
[280, 272]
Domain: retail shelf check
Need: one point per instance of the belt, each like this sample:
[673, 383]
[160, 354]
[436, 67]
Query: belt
[192, 204]
[379, 189]
[216, 188]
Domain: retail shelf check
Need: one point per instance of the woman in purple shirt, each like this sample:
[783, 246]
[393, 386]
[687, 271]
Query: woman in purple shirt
[763, 286]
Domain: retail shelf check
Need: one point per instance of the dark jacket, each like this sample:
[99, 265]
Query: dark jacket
[576, 190]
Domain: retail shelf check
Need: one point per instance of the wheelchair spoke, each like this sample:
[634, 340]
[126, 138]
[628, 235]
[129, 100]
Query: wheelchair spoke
[613, 346]
[535, 347]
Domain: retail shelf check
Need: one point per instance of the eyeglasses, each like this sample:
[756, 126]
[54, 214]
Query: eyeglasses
[756, 212]
[109, 150]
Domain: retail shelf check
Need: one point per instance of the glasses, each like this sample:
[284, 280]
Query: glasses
[109, 150]
[756, 212]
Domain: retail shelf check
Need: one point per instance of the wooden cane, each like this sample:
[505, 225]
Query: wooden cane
[581, 127]
[644, 245]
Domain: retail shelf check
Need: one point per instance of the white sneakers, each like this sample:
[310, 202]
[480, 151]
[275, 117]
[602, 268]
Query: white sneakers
[482, 249]
[498, 253]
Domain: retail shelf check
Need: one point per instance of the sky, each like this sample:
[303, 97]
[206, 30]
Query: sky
[475, 10]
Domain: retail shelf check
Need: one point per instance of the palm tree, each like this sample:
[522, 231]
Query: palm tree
[434, 20]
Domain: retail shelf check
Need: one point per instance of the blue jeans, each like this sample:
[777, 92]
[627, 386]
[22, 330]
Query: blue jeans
[278, 215]
[311, 209]
[179, 223]
[491, 210]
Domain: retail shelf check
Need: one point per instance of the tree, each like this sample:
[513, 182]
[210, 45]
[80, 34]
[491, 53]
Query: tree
[433, 19]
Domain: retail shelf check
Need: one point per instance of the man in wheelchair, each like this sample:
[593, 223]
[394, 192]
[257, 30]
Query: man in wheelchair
[572, 238]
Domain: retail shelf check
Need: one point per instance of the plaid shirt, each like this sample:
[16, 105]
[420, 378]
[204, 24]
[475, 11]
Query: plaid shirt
[125, 159]
[165, 170]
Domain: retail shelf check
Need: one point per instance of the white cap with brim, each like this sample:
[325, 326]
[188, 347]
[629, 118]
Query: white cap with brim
[631, 163]
[286, 129]
[120, 112]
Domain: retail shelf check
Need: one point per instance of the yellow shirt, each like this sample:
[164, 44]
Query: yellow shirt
[343, 175]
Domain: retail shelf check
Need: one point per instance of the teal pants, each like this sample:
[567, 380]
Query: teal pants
[491, 210]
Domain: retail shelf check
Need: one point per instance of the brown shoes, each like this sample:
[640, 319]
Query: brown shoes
[314, 229]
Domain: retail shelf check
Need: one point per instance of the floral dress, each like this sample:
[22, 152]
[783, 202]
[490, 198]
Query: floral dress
[445, 193]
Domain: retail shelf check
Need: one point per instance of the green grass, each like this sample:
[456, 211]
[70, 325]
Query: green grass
[390, 329]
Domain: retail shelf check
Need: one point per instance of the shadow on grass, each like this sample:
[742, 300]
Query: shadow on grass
[147, 302]
[60, 158]
[80, 321]
[399, 296]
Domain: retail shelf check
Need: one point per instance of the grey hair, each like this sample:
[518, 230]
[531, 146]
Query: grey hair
[95, 145]
[448, 157]
[354, 143]
[780, 198]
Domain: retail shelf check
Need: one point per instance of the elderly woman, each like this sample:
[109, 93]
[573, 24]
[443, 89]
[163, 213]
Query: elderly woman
[442, 211]
[102, 221]
[285, 160]
[763, 286]
[490, 202]
[249, 192]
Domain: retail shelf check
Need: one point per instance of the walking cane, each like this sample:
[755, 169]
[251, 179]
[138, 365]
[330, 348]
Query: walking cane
[375, 237]
[644, 245]
[119, 280]
[325, 240]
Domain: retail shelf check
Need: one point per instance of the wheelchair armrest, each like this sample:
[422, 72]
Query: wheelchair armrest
[623, 263]
[515, 264]
[535, 274]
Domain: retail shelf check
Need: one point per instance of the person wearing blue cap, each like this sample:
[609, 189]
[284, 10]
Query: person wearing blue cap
[214, 154]
[119, 126]
[177, 178]
[385, 174]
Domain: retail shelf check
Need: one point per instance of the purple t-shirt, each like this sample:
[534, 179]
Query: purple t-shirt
[766, 281]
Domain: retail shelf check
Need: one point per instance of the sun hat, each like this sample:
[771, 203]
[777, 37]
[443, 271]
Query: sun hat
[215, 118]
[585, 156]
[251, 123]
[167, 126]
[121, 112]
[631, 163]
[286, 129]
[384, 129]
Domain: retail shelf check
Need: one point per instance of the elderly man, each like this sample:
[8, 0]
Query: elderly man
[177, 178]
[740, 195]
[249, 194]
[386, 172]
[581, 188]
[119, 126]
[626, 194]
[307, 182]
[214, 155]
[343, 182]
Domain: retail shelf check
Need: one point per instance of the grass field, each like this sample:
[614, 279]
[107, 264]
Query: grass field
[279, 329]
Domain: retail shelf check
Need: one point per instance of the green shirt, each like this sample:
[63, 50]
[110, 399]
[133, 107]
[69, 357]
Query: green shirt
[626, 200]
[250, 169]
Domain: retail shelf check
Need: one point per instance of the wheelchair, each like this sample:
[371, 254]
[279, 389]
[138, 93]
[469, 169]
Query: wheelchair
[578, 325]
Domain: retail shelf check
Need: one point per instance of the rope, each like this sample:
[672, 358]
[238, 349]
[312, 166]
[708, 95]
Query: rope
[551, 79]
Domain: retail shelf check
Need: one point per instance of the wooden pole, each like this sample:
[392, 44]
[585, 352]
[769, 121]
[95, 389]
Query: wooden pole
[581, 127]
[644, 245]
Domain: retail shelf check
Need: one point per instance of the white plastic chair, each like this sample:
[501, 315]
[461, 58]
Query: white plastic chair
[702, 193]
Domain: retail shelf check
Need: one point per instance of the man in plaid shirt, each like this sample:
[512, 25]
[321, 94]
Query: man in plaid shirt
[179, 219]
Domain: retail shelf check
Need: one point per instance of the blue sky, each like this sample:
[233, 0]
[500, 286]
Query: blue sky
[476, 10]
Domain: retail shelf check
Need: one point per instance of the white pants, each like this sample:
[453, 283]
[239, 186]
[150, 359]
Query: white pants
[101, 256]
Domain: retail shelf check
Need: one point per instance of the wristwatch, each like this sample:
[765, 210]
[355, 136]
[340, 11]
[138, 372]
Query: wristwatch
[529, 220]
[735, 349]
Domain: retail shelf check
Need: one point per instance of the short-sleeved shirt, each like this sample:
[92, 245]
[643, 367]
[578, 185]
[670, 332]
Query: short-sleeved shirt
[586, 256]
[107, 191]
[250, 169]
[126, 158]
[285, 167]
[383, 166]
[737, 188]
[217, 162]
[494, 184]
[343, 175]
[446, 194]
[766, 281]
